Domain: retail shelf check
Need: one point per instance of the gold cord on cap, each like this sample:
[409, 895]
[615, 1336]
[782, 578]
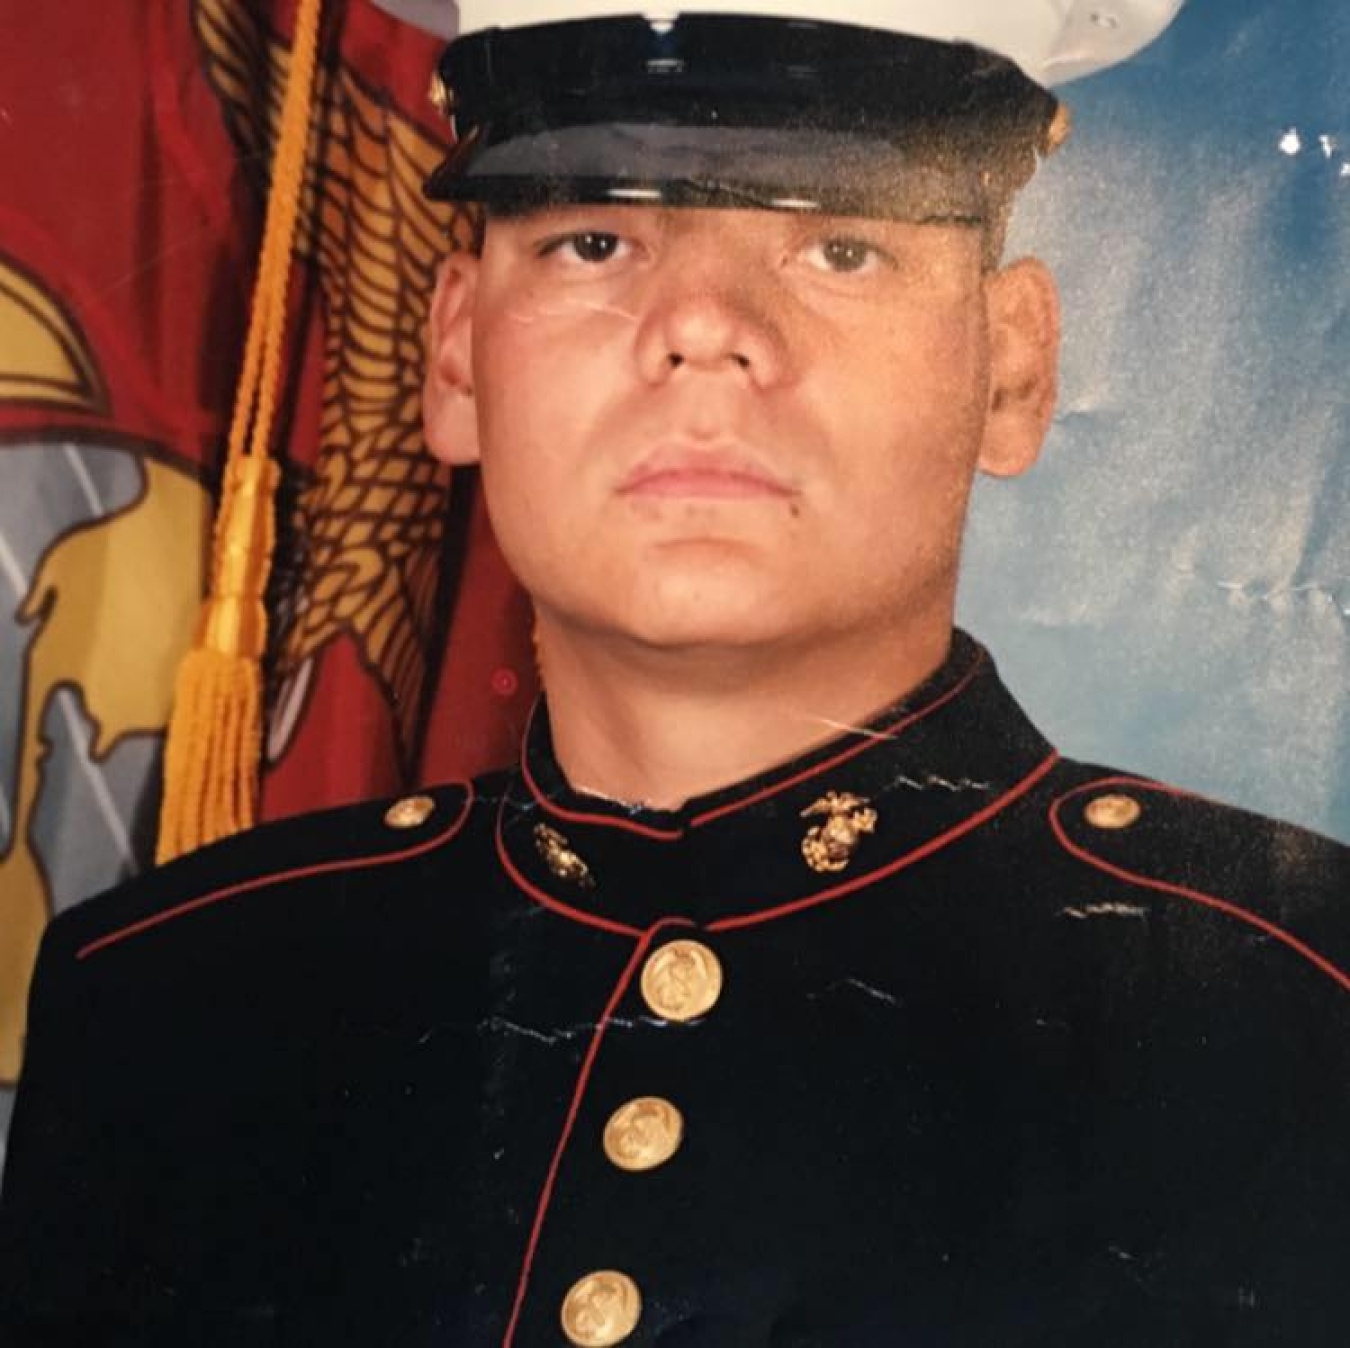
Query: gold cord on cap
[213, 750]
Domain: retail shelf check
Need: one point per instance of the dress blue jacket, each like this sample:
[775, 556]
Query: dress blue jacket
[1023, 1070]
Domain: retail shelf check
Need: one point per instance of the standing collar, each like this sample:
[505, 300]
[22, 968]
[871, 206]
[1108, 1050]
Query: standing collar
[929, 768]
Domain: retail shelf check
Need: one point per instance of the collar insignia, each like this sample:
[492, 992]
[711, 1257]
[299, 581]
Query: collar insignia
[829, 846]
[560, 859]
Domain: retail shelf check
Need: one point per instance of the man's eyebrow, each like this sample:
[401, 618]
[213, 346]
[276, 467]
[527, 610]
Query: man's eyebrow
[523, 213]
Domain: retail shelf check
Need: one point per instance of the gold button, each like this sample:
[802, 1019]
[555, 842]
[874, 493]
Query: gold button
[682, 980]
[409, 812]
[644, 1133]
[1112, 811]
[601, 1309]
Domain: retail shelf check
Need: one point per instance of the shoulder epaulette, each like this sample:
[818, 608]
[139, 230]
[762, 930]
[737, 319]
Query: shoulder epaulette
[1284, 883]
[349, 838]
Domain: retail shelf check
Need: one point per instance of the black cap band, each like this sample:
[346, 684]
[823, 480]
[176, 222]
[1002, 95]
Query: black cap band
[717, 110]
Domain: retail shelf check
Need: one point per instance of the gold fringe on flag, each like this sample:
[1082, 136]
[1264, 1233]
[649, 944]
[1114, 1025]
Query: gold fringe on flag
[213, 753]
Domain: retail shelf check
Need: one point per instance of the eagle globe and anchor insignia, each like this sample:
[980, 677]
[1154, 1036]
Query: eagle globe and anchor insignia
[560, 858]
[829, 846]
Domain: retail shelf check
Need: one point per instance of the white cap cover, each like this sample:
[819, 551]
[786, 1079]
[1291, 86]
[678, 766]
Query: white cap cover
[1052, 41]
[433, 16]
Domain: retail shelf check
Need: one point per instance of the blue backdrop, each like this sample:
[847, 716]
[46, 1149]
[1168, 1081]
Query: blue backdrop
[1169, 590]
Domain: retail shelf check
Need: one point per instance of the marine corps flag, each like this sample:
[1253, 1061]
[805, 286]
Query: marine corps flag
[137, 143]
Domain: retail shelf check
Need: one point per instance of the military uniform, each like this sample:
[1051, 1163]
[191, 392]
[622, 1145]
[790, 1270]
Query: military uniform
[928, 1037]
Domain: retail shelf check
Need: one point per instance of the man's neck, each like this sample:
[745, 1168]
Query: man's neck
[658, 728]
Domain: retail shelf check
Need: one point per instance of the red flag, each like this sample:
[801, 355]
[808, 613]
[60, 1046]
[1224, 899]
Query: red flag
[135, 154]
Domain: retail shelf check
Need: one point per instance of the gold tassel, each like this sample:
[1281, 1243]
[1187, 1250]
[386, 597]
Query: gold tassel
[213, 751]
[215, 738]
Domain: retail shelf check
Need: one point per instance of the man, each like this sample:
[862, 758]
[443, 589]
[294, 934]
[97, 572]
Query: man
[791, 989]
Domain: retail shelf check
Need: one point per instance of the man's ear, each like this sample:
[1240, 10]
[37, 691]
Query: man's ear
[1023, 309]
[449, 412]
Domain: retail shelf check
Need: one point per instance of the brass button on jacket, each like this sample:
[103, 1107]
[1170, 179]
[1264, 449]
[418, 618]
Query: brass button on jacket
[644, 1133]
[410, 812]
[1112, 811]
[682, 980]
[929, 1059]
[601, 1309]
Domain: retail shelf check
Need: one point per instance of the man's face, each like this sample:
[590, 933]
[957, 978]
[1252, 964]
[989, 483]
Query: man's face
[720, 429]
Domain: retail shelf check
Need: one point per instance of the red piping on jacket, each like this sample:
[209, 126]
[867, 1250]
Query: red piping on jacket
[574, 1108]
[1181, 891]
[674, 835]
[544, 897]
[934, 844]
[279, 877]
[890, 733]
[578, 816]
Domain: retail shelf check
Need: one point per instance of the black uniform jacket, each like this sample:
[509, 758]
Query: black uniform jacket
[1053, 1056]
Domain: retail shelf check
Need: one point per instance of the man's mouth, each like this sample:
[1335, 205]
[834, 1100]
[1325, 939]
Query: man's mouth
[711, 473]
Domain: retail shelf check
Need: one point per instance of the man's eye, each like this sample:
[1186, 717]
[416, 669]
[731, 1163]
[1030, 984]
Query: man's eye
[589, 246]
[845, 256]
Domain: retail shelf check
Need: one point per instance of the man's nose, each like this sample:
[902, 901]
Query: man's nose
[712, 319]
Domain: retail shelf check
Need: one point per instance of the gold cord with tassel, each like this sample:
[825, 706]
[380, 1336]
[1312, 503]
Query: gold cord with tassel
[213, 754]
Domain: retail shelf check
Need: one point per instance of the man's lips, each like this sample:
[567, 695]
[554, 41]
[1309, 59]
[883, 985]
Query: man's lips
[706, 474]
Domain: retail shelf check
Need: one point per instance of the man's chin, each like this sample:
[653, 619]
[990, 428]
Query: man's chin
[694, 600]
[731, 634]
